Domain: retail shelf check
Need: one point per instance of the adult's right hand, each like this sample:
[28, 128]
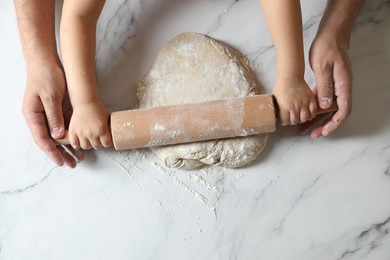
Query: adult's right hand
[331, 65]
[44, 106]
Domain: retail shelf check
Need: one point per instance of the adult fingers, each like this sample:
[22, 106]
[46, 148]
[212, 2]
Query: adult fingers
[313, 126]
[72, 156]
[37, 124]
[343, 91]
[331, 125]
[318, 130]
[339, 117]
[78, 153]
[68, 159]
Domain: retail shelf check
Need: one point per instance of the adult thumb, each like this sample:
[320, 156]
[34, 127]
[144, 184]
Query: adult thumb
[55, 119]
[324, 87]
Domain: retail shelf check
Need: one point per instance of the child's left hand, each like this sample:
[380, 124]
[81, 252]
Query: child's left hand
[89, 127]
[296, 101]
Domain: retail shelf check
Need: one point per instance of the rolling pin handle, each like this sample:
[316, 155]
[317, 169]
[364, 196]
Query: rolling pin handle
[63, 140]
[333, 108]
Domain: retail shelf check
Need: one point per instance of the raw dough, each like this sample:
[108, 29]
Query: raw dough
[195, 68]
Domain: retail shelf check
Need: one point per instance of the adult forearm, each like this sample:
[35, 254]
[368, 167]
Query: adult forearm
[37, 30]
[339, 17]
[285, 26]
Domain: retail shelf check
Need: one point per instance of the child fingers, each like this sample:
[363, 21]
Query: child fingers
[85, 144]
[313, 110]
[294, 117]
[308, 112]
[95, 143]
[304, 115]
[106, 140]
[284, 118]
[74, 141]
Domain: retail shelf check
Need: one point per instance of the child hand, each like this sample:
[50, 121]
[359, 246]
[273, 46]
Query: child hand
[295, 100]
[89, 127]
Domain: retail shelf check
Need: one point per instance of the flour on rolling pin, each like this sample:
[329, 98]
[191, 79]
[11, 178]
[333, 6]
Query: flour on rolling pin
[193, 122]
[206, 128]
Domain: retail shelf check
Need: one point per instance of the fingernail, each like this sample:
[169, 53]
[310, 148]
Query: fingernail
[57, 132]
[325, 101]
[314, 137]
[325, 131]
[73, 165]
[57, 161]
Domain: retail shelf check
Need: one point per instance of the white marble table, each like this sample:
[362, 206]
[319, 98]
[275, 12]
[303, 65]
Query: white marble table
[302, 199]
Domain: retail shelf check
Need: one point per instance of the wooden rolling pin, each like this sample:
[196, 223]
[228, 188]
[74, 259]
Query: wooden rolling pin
[187, 123]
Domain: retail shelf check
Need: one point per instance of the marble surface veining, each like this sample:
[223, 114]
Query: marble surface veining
[324, 199]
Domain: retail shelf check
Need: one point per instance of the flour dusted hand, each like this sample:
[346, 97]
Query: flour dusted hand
[89, 126]
[193, 68]
[295, 100]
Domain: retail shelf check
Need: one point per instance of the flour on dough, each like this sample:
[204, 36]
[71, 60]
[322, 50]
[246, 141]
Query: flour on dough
[195, 68]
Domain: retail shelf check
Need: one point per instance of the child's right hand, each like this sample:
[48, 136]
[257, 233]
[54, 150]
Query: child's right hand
[296, 101]
[89, 127]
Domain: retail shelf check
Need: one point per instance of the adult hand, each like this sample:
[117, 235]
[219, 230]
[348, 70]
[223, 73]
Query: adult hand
[44, 102]
[331, 65]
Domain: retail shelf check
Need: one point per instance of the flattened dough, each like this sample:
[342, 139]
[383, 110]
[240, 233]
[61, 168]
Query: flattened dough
[194, 68]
